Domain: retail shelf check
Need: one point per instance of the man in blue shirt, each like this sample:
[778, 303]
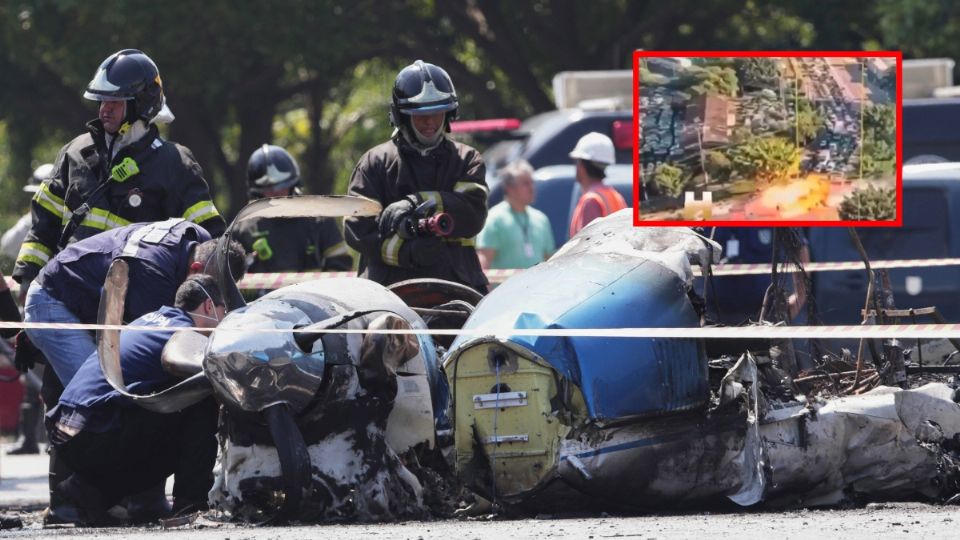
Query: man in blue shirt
[118, 449]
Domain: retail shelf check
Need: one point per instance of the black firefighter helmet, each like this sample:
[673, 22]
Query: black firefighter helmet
[422, 88]
[271, 167]
[129, 75]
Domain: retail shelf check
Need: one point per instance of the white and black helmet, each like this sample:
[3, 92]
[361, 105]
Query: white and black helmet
[271, 167]
[129, 75]
[422, 88]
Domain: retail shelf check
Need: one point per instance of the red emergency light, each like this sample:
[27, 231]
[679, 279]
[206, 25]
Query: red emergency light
[622, 134]
[493, 124]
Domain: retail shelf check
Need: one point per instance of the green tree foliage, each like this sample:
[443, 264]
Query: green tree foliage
[920, 28]
[879, 158]
[765, 159]
[649, 78]
[879, 131]
[757, 72]
[718, 166]
[807, 125]
[872, 204]
[238, 73]
[809, 121]
[670, 180]
[879, 122]
[227, 70]
[709, 80]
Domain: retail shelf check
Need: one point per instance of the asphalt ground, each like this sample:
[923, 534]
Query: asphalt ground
[23, 493]
[902, 520]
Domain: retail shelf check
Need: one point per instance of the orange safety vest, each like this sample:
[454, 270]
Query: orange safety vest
[609, 199]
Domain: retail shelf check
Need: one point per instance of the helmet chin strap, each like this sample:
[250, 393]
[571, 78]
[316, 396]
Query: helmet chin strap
[128, 133]
[418, 141]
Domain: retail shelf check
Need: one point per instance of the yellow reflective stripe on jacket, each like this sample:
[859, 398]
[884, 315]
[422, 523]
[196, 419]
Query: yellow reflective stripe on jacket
[98, 218]
[336, 250]
[34, 252]
[463, 187]
[390, 250]
[466, 242]
[45, 198]
[432, 196]
[201, 212]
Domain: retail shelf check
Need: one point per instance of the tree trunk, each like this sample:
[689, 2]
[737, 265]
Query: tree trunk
[196, 129]
[318, 178]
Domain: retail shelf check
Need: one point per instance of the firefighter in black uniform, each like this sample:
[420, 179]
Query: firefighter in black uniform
[420, 165]
[287, 244]
[119, 172]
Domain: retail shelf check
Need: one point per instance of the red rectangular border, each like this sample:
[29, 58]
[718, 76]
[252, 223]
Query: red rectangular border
[637, 55]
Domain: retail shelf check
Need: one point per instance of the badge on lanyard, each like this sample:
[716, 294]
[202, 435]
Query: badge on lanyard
[528, 249]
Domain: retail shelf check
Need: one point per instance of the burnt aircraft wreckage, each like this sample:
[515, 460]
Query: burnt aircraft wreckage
[321, 425]
[547, 423]
[313, 423]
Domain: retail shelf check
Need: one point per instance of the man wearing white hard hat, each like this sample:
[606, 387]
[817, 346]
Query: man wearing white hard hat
[594, 151]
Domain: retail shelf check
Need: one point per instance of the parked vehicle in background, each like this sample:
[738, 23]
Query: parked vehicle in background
[547, 138]
[558, 193]
[931, 219]
[586, 101]
[930, 132]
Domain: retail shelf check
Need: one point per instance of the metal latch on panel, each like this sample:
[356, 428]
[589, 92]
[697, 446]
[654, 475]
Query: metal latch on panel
[496, 401]
[498, 439]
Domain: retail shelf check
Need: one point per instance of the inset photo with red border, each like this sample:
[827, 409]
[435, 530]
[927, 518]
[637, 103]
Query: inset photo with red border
[767, 138]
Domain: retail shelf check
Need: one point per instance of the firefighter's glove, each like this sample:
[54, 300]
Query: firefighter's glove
[27, 354]
[394, 213]
[425, 251]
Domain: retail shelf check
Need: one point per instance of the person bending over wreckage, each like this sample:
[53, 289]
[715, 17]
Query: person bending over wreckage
[160, 255]
[118, 449]
[314, 425]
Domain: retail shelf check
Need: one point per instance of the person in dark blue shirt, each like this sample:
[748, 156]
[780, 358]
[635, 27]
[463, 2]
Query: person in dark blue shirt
[117, 448]
[160, 255]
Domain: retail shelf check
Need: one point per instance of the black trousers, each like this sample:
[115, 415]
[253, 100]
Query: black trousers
[146, 449]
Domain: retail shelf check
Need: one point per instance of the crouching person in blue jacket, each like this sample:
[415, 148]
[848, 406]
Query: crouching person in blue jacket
[117, 448]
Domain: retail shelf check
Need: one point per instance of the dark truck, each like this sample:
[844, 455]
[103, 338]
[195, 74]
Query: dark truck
[547, 138]
[931, 219]
[931, 230]
[930, 133]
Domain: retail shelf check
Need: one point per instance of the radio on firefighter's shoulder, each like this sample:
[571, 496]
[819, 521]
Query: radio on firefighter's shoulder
[425, 221]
